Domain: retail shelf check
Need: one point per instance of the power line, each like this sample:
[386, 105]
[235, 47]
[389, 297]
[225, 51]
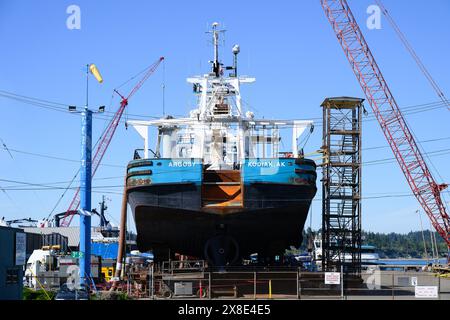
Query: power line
[405, 112]
[414, 55]
[41, 187]
[370, 162]
[53, 187]
[381, 196]
[4, 191]
[9, 150]
[107, 115]
[60, 107]
[51, 184]
[392, 160]
[56, 158]
[423, 141]
[6, 148]
[121, 166]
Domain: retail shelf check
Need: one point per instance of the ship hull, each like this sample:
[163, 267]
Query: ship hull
[179, 206]
[171, 217]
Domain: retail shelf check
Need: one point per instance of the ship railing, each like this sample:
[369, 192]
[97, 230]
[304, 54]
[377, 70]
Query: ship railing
[176, 266]
[139, 154]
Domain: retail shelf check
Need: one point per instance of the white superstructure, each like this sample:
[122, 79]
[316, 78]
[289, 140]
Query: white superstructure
[219, 130]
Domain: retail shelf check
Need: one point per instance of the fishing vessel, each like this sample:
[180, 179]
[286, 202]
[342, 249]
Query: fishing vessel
[218, 185]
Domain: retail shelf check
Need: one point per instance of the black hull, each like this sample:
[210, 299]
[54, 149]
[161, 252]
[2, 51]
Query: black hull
[171, 217]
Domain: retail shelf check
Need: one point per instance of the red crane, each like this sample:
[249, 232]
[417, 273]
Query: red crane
[388, 114]
[106, 140]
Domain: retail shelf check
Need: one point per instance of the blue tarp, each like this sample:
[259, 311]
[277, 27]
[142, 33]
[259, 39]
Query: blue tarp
[105, 250]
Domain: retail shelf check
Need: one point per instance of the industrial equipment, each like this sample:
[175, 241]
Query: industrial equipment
[386, 110]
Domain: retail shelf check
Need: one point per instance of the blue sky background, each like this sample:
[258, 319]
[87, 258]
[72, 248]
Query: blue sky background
[287, 45]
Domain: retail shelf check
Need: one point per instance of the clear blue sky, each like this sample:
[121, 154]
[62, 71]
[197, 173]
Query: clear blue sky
[287, 45]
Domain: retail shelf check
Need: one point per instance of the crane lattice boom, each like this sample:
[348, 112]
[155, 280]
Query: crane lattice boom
[388, 114]
[105, 141]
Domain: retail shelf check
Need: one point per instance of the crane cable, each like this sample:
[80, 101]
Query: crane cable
[414, 55]
[422, 67]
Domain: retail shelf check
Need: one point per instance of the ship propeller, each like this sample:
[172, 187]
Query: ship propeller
[222, 250]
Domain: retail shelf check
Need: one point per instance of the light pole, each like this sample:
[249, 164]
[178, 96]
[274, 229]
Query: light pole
[85, 194]
[86, 180]
[85, 191]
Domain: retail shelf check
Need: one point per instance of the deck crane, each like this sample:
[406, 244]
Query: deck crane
[106, 140]
[388, 114]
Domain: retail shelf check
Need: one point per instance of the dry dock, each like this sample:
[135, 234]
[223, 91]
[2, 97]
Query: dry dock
[285, 284]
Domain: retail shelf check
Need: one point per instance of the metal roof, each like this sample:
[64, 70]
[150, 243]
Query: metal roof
[343, 100]
[72, 233]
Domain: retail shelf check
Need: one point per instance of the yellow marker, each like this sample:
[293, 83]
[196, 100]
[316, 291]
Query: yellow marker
[270, 289]
[96, 73]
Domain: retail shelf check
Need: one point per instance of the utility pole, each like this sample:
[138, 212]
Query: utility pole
[86, 179]
[85, 194]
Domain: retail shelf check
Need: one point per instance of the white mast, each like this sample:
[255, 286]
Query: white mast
[219, 131]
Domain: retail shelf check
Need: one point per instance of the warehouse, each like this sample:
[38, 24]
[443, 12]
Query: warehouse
[12, 260]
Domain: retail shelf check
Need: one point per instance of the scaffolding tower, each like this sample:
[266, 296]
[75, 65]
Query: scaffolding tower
[341, 184]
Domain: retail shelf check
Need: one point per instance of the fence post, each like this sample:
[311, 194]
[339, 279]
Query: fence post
[270, 289]
[150, 281]
[298, 284]
[209, 285]
[153, 281]
[342, 281]
[393, 285]
[439, 287]
[254, 285]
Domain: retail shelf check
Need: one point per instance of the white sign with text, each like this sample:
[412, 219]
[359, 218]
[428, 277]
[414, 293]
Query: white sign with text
[332, 278]
[21, 249]
[426, 292]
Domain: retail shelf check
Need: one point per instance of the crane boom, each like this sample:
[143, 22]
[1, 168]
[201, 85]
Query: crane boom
[105, 141]
[388, 114]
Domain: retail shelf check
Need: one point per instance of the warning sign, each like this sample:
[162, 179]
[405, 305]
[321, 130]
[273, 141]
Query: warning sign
[426, 292]
[332, 278]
